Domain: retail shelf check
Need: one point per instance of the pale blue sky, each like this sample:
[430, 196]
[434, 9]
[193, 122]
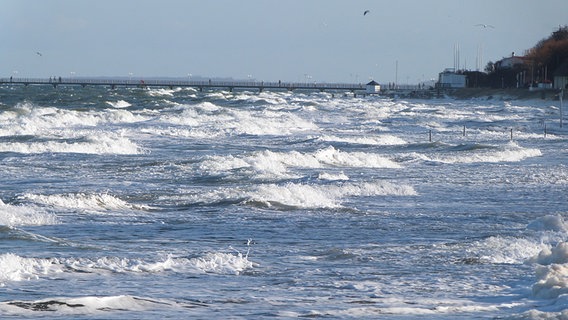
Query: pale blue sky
[288, 40]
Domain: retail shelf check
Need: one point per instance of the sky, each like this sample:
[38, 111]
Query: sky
[402, 41]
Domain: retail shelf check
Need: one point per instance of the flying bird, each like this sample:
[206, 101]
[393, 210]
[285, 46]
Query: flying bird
[484, 25]
[39, 53]
[366, 11]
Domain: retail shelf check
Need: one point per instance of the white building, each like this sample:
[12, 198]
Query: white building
[450, 79]
[510, 62]
[372, 87]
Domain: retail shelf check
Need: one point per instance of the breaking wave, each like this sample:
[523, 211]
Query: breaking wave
[19, 215]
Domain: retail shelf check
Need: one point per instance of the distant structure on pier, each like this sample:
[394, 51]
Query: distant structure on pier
[373, 87]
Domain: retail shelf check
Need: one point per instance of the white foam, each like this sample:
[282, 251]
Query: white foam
[28, 119]
[551, 272]
[552, 281]
[16, 268]
[549, 223]
[542, 315]
[504, 250]
[102, 143]
[19, 215]
[162, 92]
[216, 263]
[269, 164]
[326, 196]
[119, 104]
[212, 118]
[555, 255]
[511, 152]
[89, 305]
[333, 177]
[294, 195]
[381, 140]
[83, 201]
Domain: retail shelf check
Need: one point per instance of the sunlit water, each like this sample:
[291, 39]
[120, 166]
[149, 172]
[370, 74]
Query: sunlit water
[155, 203]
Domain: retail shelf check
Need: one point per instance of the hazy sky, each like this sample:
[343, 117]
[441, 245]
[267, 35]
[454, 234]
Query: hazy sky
[288, 40]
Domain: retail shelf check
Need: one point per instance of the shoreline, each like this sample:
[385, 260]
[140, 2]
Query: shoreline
[504, 94]
[521, 94]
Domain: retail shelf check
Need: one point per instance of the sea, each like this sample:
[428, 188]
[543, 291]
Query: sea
[158, 203]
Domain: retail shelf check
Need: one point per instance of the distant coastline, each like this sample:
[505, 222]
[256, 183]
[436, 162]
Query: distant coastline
[504, 94]
[479, 94]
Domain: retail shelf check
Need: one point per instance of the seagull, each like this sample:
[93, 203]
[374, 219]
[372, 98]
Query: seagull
[39, 53]
[366, 11]
[484, 25]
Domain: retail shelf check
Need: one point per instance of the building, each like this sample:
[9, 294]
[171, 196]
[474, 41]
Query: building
[449, 78]
[372, 87]
[510, 62]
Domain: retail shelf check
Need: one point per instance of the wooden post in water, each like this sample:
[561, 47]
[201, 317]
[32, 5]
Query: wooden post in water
[511, 134]
[430, 135]
[464, 130]
[561, 95]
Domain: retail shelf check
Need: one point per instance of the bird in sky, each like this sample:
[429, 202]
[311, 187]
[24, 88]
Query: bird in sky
[39, 53]
[484, 25]
[366, 11]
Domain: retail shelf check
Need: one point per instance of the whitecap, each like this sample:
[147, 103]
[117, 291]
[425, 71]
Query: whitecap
[381, 140]
[20, 215]
[103, 143]
[507, 250]
[16, 268]
[119, 104]
[549, 223]
[83, 201]
[294, 195]
[333, 177]
[269, 164]
[511, 152]
[87, 305]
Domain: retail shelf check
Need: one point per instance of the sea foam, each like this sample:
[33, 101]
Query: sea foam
[102, 143]
[14, 268]
[88, 305]
[20, 215]
[510, 152]
[269, 164]
[293, 195]
[83, 201]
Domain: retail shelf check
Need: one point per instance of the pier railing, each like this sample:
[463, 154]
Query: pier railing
[200, 84]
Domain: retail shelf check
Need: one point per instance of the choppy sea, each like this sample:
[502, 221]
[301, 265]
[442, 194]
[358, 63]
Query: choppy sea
[156, 203]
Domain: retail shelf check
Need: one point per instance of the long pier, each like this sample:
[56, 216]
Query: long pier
[199, 85]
